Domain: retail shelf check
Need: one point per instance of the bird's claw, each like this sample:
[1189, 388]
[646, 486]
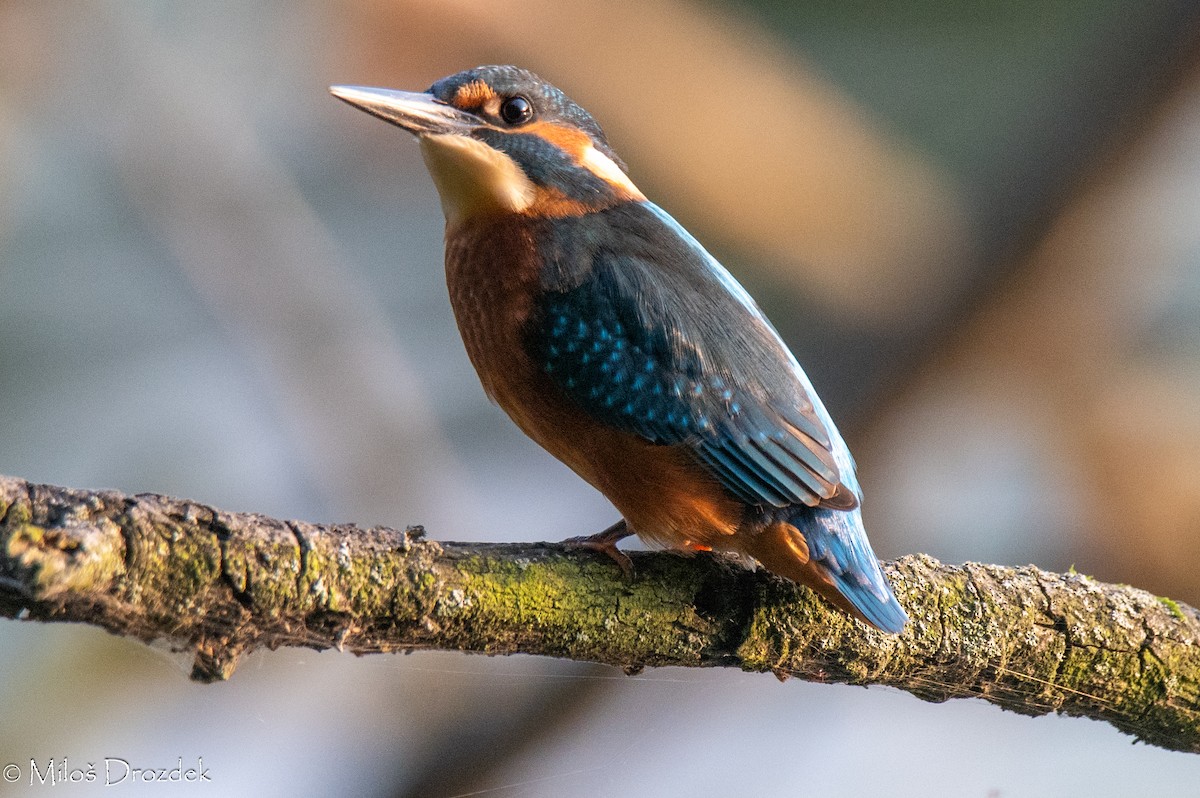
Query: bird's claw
[606, 543]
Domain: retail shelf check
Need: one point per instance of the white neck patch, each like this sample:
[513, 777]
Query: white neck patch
[472, 178]
[606, 169]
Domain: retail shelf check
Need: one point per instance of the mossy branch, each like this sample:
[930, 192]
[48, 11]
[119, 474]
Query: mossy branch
[220, 584]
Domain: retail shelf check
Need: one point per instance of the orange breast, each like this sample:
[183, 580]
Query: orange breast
[492, 274]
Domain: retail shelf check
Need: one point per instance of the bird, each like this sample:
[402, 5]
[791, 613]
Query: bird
[614, 340]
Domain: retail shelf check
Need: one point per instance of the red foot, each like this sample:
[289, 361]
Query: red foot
[606, 543]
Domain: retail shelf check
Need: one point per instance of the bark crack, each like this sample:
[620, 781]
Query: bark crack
[305, 548]
[240, 585]
[1058, 624]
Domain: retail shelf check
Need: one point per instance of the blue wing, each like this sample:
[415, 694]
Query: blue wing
[644, 330]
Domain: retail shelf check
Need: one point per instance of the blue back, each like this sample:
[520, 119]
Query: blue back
[644, 330]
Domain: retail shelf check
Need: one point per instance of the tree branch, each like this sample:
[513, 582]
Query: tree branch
[220, 584]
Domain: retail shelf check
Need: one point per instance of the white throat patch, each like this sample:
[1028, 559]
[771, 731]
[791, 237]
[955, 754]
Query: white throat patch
[472, 177]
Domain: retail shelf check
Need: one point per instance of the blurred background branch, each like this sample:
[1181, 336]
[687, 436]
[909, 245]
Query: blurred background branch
[221, 584]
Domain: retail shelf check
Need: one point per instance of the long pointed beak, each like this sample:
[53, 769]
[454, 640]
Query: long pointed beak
[419, 113]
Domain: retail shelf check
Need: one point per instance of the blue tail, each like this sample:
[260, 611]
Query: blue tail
[828, 551]
[838, 546]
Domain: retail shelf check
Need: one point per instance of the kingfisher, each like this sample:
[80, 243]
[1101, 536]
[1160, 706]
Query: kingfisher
[620, 345]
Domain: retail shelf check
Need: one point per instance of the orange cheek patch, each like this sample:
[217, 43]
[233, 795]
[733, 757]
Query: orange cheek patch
[568, 139]
[578, 146]
[473, 95]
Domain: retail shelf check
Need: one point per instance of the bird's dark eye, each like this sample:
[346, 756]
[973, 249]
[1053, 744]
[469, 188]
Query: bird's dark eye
[516, 110]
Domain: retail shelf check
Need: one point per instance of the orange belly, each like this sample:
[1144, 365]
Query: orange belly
[667, 499]
[663, 496]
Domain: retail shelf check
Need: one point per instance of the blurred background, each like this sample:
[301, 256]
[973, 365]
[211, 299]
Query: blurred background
[977, 224]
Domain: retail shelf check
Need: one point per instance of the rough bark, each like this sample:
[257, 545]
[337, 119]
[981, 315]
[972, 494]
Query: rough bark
[220, 584]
